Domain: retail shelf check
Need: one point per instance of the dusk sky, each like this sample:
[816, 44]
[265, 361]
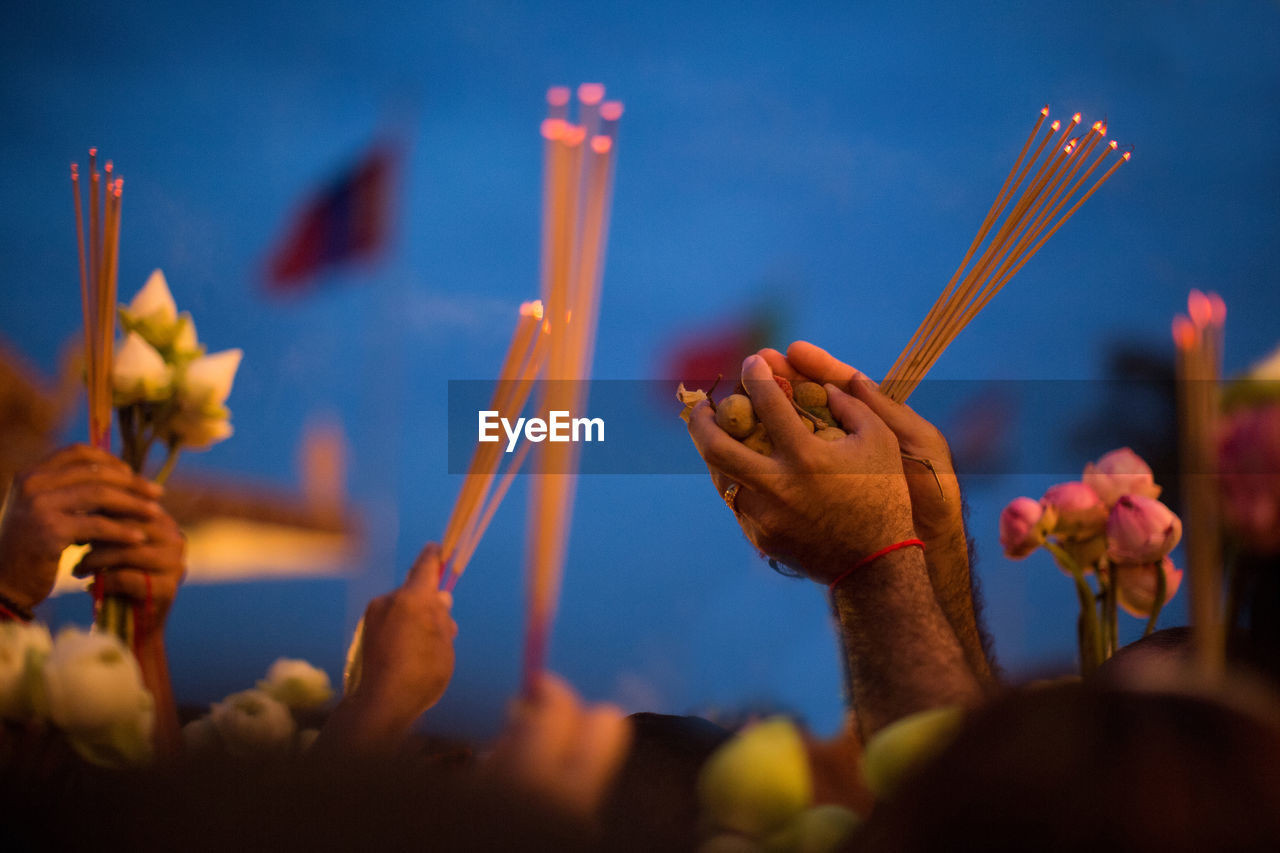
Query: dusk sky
[823, 163]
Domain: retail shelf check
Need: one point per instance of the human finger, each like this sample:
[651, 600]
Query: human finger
[152, 559]
[854, 416]
[80, 529]
[724, 452]
[100, 497]
[771, 404]
[137, 585]
[779, 365]
[424, 574]
[604, 736]
[820, 365]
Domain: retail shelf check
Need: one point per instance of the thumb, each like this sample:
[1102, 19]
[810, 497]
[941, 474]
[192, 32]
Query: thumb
[424, 574]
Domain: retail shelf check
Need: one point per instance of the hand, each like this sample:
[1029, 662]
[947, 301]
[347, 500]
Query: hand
[148, 573]
[407, 647]
[556, 747]
[78, 495]
[816, 505]
[935, 500]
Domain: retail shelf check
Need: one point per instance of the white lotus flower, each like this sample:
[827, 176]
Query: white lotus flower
[197, 431]
[252, 723]
[200, 737]
[94, 692]
[139, 373]
[297, 684]
[207, 381]
[23, 649]
[186, 345]
[154, 303]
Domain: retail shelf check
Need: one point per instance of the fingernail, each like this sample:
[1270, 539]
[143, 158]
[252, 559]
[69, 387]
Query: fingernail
[750, 362]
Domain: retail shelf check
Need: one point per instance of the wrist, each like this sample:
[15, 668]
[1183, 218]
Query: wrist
[884, 554]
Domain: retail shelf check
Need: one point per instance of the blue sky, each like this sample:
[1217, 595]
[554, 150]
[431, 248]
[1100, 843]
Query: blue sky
[830, 161]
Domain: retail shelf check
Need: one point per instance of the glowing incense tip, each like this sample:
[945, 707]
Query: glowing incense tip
[1127, 155]
[1100, 127]
[611, 110]
[1219, 309]
[75, 170]
[1184, 334]
[573, 135]
[1045, 111]
[109, 168]
[591, 93]
[93, 152]
[553, 128]
[1075, 119]
[601, 144]
[1200, 309]
[531, 309]
[1056, 124]
[558, 96]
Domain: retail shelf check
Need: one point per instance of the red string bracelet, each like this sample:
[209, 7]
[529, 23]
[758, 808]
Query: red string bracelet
[11, 612]
[888, 549]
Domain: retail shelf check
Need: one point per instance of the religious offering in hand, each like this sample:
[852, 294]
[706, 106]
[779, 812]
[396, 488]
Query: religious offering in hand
[164, 388]
[736, 416]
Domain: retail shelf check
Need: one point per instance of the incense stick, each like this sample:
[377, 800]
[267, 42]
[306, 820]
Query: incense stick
[578, 182]
[1028, 209]
[1198, 339]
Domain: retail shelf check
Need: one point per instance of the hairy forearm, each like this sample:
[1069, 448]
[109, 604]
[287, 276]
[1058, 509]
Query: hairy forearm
[947, 560]
[901, 652]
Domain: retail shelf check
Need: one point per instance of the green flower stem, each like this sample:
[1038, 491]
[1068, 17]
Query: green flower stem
[1159, 603]
[169, 461]
[1090, 640]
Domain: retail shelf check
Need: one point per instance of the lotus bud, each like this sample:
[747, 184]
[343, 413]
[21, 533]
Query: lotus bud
[207, 381]
[1120, 472]
[94, 692]
[186, 346]
[23, 649]
[1081, 513]
[1249, 463]
[139, 373]
[1141, 530]
[1136, 586]
[1023, 525]
[153, 313]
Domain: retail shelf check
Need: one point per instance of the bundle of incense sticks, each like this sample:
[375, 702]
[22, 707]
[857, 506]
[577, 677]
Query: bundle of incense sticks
[1028, 210]
[1198, 339]
[478, 500]
[577, 186]
[98, 287]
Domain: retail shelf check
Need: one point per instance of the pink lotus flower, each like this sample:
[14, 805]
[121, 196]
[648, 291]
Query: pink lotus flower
[1249, 463]
[1120, 472]
[1085, 552]
[1023, 524]
[1136, 586]
[1081, 513]
[1141, 530]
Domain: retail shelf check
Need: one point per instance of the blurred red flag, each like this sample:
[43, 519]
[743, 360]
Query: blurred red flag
[349, 220]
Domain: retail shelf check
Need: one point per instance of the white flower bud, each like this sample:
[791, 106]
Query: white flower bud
[297, 684]
[252, 723]
[23, 649]
[139, 372]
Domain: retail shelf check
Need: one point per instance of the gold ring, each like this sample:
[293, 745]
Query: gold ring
[731, 497]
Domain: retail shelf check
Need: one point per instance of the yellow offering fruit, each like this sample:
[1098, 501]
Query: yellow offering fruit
[821, 829]
[735, 415]
[759, 781]
[831, 434]
[899, 748]
[759, 441]
[810, 395]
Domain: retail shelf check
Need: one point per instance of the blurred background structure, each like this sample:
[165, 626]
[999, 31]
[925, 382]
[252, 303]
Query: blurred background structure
[801, 170]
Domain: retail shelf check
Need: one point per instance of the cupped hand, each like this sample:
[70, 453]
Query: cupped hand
[818, 506]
